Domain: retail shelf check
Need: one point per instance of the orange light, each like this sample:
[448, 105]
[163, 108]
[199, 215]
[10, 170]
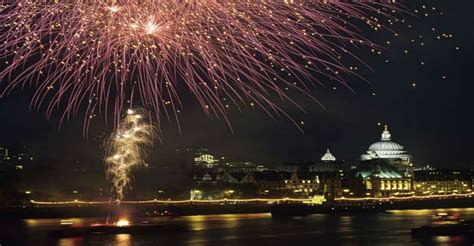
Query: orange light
[123, 222]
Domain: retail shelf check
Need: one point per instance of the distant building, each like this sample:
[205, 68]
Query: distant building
[443, 182]
[289, 168]
[241, 166]
[16, 156]
[424, 168]
[3, 153]
[328, 163]
[328, 157]
[204, 159]
[336, 166]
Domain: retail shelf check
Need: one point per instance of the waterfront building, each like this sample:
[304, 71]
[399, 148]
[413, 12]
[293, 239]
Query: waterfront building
[386, 149]
[443, 182]
[270, 181]
[391, 152]
[303, 183]
[332, 185]
[379, 178]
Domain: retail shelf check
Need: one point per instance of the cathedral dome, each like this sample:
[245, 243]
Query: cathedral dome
[386, 146]
[328, 156]
[386, 149]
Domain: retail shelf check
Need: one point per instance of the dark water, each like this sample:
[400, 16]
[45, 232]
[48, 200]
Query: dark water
[391, 228]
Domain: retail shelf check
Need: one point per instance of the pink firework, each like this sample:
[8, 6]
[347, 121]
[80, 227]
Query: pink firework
[107, 55]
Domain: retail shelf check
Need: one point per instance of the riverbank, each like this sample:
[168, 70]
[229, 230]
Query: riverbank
[282, 208]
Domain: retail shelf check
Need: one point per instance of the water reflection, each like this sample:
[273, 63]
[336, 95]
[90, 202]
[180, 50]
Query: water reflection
[71, 241]
[238, 229]
[123, 239]
[198, 222]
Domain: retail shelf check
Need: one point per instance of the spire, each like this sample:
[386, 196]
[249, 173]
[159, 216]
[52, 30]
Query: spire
[328, 156]
[386, 136]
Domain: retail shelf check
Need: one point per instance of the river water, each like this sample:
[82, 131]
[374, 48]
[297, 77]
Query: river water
[391, 228]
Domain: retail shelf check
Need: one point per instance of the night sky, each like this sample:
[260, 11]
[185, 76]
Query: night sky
[428, 107]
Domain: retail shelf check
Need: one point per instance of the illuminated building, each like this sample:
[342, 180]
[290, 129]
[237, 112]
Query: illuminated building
[332, 185]
[391, 152]
[303, 183]
[241, 167]
[205, 160]
[195, 194]
[332, 166]
[386, 149]
[424, 168]
[379, 178]
[206, 178]
[328, 163]
[270, 181]
[3, 153]
[442, 182]
[328, 156]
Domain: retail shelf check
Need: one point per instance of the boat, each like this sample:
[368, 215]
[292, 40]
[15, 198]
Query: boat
[444, 224]
[121, 227]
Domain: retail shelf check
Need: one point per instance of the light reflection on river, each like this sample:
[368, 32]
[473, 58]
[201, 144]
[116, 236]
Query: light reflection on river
[391, 228]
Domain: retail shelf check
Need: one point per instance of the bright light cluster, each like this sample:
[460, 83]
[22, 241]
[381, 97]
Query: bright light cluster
[106, 54]
[126, 150]
[123, 222]
[286, 199]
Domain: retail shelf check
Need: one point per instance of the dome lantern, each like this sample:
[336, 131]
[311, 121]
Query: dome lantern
[386, 136]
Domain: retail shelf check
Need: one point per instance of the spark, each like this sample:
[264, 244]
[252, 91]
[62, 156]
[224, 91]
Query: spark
[107, 56]
[126, 150]
[151, 27]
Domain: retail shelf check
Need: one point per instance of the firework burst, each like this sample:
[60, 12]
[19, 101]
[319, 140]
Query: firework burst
[109, 55]
[127, 149]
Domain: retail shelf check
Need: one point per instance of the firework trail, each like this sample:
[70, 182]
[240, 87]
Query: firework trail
[127, 148]
[108, 55]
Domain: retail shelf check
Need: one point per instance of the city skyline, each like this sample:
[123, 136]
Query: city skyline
[230, 122]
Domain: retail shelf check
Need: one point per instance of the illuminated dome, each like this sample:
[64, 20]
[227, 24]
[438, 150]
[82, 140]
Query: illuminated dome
[386, 149]
[328, 156]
